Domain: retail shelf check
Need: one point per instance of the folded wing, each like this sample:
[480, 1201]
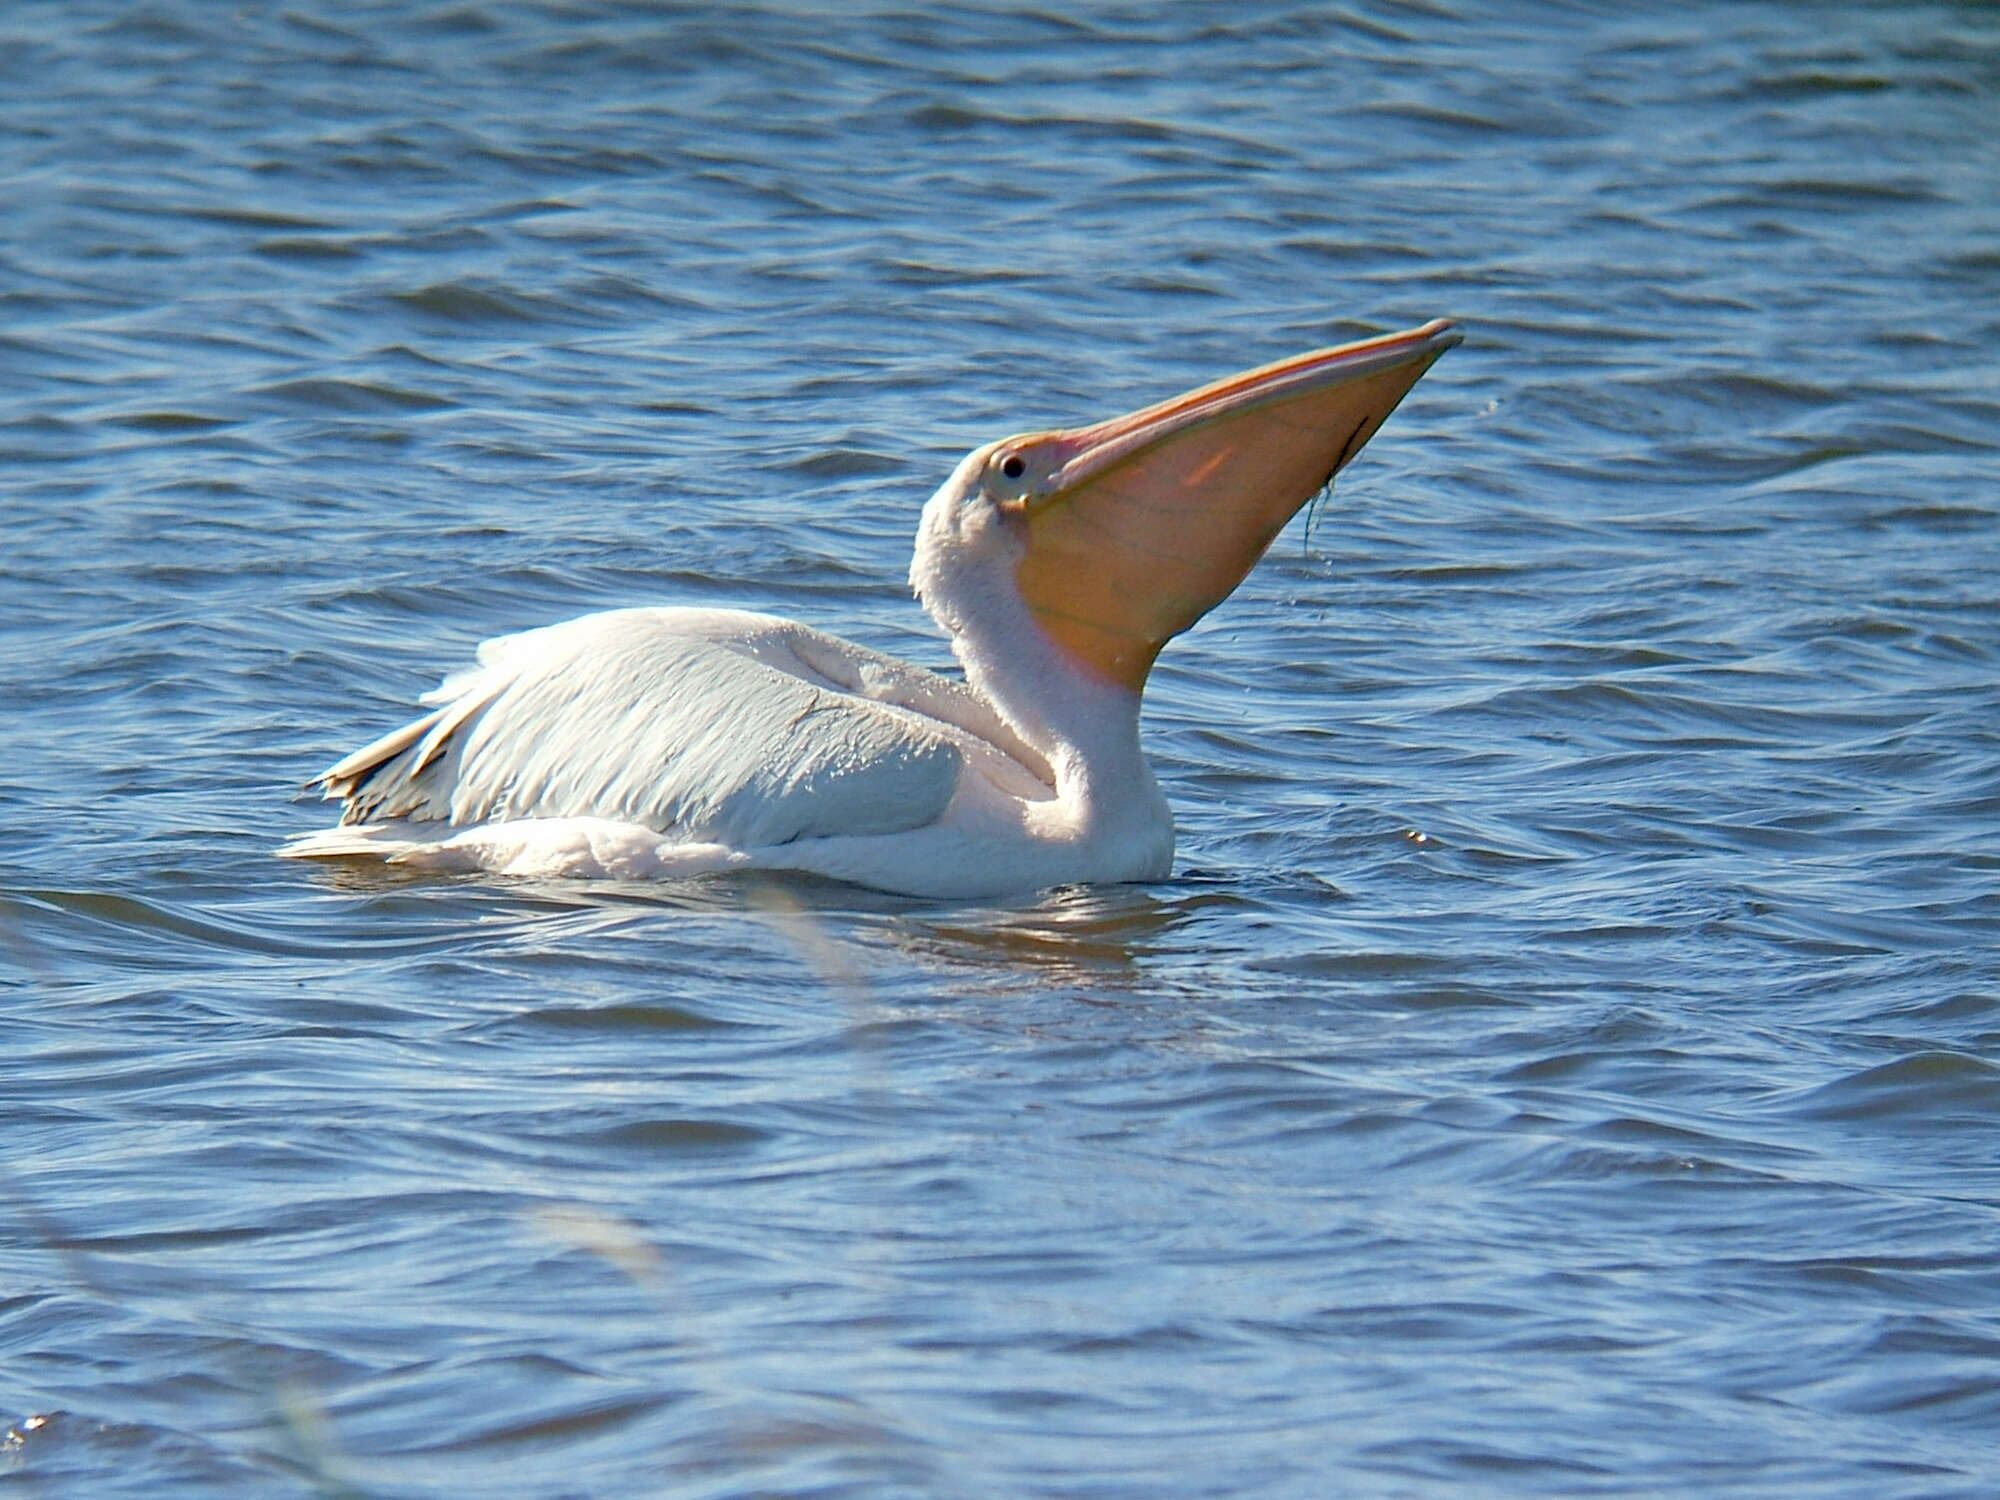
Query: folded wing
[709, 726]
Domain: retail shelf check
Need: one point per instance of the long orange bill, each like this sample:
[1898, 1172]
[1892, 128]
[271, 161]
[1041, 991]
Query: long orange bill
[1140, 525]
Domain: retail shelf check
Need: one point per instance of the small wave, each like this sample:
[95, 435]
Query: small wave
[258, 218]
[474, 302]
[675, 1135]
[845, 463]
[330, 394]
[1927, 1089]
[1440, 117]
[304, 248]
[573, 1421]
[169, 421]
[1813, 83]
[638, 1019]
[1829, 194]
[148, 921]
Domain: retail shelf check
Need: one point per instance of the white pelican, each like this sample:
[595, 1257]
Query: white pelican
[653, 742]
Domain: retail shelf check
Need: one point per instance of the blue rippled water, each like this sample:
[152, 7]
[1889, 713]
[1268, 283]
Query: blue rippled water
[1566, 1059]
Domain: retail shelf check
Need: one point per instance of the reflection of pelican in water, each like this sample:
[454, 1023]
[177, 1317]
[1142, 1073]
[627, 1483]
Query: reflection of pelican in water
[643, 742]
[1081, 934]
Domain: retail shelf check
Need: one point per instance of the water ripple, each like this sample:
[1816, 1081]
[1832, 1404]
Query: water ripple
[1575, 994]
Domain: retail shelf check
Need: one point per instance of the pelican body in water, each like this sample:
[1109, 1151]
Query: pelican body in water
[658, 742]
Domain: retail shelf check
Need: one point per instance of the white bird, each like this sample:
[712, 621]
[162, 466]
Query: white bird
[658, 742]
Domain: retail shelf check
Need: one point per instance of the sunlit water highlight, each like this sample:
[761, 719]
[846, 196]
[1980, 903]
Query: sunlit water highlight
[1567, 1057]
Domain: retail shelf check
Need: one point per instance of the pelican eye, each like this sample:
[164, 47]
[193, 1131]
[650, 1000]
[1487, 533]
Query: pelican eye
[1014, 466]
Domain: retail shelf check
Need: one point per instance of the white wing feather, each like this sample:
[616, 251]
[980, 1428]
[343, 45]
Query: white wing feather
[713, 726]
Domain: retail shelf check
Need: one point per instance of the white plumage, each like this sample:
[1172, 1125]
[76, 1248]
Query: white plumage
[652, 742]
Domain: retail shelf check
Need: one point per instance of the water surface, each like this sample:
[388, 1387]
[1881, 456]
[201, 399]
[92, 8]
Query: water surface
[1566, 1058]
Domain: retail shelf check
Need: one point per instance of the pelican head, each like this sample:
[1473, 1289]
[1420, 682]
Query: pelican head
[1118, 536]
